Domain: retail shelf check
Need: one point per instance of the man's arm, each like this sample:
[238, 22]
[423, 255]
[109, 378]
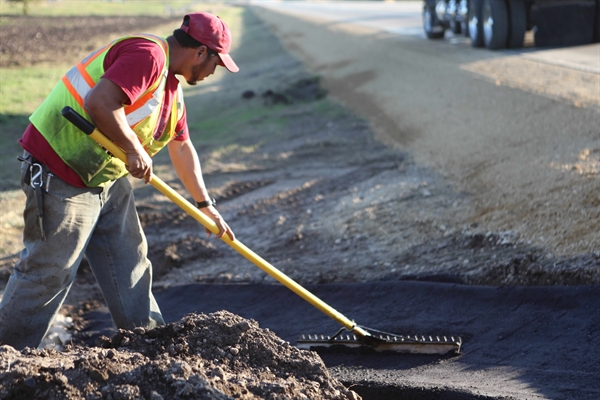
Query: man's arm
[104, 104]
[187, 166]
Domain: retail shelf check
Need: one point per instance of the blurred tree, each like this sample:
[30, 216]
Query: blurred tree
[25, 4]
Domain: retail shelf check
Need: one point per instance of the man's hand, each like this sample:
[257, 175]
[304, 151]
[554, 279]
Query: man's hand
[213, 214]
[139, 165]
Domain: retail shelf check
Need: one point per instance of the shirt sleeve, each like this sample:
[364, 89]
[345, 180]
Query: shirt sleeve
[181, 128]
[133, 65]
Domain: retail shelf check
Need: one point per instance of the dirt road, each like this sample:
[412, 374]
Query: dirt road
[519, 137]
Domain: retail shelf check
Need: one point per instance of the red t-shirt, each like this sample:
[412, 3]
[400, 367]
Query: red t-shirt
[133, 65]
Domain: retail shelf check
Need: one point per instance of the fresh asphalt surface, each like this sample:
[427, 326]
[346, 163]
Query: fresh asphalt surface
[518, 342]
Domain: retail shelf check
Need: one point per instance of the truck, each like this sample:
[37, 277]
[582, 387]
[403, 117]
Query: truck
[500, 24]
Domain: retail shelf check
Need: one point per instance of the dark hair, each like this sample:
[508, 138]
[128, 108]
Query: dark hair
[186, 40]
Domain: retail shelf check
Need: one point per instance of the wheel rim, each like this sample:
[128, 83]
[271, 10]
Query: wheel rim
[452, 7]
[473, 22]
[462, 9]
[427, 20]
[488, 23]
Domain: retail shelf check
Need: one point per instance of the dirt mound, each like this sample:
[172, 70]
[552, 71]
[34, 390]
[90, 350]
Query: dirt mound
[215, 356]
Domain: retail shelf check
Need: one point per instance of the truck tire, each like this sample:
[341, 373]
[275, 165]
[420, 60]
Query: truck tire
[476, 23]
[518, 23]
[434, 29]
[495, 24]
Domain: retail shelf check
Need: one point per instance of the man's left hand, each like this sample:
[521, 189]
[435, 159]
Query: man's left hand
[212, 213]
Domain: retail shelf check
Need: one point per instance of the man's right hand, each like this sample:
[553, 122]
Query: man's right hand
[139, 165]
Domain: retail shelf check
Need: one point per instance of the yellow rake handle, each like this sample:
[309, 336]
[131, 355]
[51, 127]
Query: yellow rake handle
[189, 208]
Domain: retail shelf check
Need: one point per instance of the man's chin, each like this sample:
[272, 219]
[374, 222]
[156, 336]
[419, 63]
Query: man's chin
[194, 83]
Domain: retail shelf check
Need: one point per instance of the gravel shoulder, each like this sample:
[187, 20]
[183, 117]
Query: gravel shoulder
[519, 137]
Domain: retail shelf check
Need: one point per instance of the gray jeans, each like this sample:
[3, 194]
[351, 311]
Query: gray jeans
[101, 223]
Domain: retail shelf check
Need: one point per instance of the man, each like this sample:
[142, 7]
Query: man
[79, 200]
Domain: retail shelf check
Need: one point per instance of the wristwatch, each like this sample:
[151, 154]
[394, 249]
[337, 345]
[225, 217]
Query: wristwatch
[206, 203]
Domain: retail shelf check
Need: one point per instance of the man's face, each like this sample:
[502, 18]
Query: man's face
[203, 68]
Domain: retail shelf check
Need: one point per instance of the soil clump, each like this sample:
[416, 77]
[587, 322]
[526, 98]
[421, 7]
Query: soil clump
[215, 356]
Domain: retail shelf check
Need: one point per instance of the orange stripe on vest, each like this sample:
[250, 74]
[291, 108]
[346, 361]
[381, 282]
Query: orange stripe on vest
[72, 90]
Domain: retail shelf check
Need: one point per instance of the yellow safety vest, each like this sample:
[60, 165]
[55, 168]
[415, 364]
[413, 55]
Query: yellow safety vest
[82, 153]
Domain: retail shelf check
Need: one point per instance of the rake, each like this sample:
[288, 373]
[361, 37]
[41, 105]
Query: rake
[350, 335]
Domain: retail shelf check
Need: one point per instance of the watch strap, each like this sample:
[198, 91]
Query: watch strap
[206, 203]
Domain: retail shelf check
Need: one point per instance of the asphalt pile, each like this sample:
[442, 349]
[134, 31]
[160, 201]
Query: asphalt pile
[215, 356]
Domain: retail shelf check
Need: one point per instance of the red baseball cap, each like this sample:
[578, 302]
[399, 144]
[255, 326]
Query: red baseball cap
[211, 31]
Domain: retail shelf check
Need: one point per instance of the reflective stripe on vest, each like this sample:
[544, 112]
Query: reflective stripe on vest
[79, 83]
[146, 104]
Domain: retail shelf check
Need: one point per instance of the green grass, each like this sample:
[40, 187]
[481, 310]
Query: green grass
[329, 109]
[23, 89]
[230, 124]
[99, 7]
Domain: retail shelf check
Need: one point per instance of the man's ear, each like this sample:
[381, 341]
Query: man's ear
[200, 51]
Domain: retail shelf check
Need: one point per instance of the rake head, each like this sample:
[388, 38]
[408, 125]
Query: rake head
[382, 342]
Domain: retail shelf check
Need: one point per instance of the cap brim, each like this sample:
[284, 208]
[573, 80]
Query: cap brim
[228, 63]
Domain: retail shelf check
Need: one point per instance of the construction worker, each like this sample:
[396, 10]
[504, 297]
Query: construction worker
[79, 200]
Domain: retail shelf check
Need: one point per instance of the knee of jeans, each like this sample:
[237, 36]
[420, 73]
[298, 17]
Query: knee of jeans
[54, 278]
